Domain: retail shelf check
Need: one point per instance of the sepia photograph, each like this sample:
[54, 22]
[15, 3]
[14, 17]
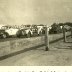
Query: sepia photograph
[36, 33]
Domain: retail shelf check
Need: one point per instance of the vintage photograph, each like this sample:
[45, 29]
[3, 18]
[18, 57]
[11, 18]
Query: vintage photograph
[35, 32]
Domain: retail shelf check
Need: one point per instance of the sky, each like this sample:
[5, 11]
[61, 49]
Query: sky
[17, 12]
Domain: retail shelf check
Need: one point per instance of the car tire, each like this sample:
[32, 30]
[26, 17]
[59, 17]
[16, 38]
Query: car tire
[23, 33]
[18, 34]
[28, 35]
[40, 33]
[4, 35]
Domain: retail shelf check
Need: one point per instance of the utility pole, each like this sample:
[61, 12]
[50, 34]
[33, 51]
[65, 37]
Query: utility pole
[46, 39]
[71, 32]
[64, 33]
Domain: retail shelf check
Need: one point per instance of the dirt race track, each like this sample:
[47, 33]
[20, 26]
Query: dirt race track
[60, 54]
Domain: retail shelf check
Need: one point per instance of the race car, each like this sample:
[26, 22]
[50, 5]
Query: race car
[24, 32]
[7, 31]
[41, 29]
[28, 31]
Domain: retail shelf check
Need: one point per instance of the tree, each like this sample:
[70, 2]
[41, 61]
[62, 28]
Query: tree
[55, 29]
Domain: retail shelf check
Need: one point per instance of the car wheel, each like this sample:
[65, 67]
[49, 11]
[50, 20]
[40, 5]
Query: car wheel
[40, 33]
[4, 35]
[23, 33]
[29, 34]
[18, 34]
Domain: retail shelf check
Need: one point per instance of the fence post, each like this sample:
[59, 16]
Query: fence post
[46, 39]
[64, 34]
